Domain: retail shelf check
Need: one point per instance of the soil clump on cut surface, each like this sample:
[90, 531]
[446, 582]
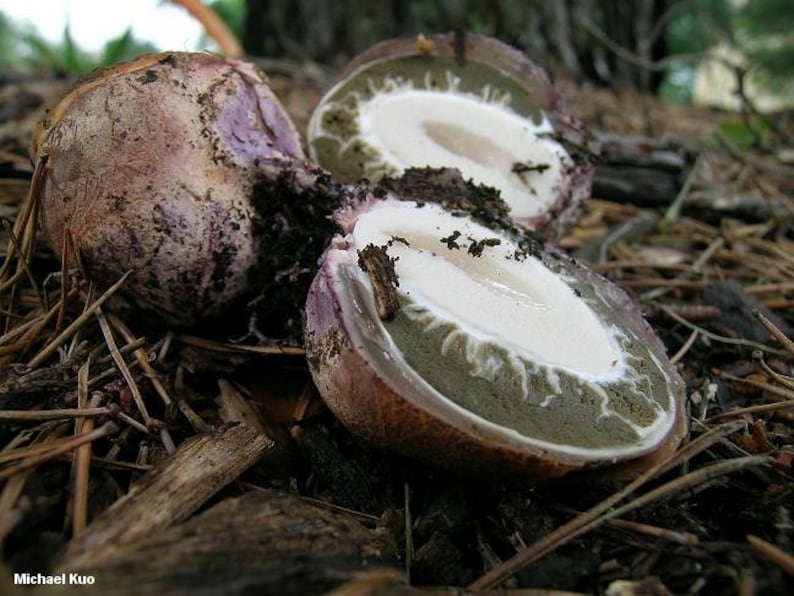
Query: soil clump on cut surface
[196, 439]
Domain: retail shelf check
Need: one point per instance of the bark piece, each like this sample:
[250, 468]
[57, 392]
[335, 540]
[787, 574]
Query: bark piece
[265, 542]
[169, 494]
[737, 308]
[640, 170]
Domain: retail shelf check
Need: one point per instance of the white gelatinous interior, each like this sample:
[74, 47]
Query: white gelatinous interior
[486, 141]
[516, 303]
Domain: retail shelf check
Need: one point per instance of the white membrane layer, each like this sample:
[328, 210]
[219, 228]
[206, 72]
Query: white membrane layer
[518, 304]
[486, 141]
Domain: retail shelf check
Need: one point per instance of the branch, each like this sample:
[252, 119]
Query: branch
[218, 31]
[668, 15]
[662, 64]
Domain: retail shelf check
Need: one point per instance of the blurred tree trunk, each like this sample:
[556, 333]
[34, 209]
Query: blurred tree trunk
[564, 33]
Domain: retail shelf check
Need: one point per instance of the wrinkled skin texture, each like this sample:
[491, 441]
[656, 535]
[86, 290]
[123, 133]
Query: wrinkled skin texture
[150, 167]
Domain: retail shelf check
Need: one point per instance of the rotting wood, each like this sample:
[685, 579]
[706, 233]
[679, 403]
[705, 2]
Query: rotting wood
[264, 542]
[640, 170]
[170, 493]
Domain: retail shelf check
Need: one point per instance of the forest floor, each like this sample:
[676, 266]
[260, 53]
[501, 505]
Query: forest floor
[211, 467]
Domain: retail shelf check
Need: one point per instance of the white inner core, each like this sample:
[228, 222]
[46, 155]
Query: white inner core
[518, 304]
[417, 128]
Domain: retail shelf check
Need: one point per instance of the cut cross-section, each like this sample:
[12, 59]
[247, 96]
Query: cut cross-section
[489, 112]
[528, 362]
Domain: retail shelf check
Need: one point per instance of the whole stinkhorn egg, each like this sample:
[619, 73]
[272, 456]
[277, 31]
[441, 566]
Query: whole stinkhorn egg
[150, 167]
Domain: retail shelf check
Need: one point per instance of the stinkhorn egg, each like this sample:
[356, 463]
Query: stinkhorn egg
[165, 167]
[443, 339]
[462, 101]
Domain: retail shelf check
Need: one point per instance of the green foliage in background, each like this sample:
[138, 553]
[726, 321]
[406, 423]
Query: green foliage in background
[22, 50]
[770, 26]
[761, 30]
[745, 132]
[11, 44]
[697, 26]
[231, 12]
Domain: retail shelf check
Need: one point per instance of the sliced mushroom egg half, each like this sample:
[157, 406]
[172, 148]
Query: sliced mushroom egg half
[471, 103]
[487, 355]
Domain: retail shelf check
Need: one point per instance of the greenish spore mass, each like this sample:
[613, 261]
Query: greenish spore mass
[536, 401]
[351, 158]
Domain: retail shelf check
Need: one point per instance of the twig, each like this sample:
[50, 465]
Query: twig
[706, 255]
[65, 251]
[784, 341]
[690, 480]
[657, 65]
[104, 462]
[590, 518]
[214, 26]
[165, 347]
[105, 430]
[24, 261]
[196, 421]
[217, 346]
[686, 538]
[713, 336]
[773, 287]
[683, 279]
[81, 459]
[126, 418]
[22, 227]
[685, 348]
[773, 553]
[784, 380]
[672, 11]
[780, 405]
[30, 330]
[39, 359]
[168, 494]
[167, 441]
[23, 452]
[409, 532]
[366, 517]
[64, 414]
[674, 210]
[165, 436]
[108, 373]
[586, 522]
[122, 365]
[779, 391]
[8, 498]
[142, 359]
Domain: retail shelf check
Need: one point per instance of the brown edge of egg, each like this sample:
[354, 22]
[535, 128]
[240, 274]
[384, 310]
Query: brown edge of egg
[82, 87]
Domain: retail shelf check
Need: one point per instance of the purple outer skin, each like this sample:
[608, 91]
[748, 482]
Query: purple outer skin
[388, 410]
[566, 208]
[151, 166]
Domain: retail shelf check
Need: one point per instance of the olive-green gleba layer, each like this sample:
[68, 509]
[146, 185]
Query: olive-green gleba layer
[506, 351]
[467, 102]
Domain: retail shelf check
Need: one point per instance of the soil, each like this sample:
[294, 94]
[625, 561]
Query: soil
[718, 521]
